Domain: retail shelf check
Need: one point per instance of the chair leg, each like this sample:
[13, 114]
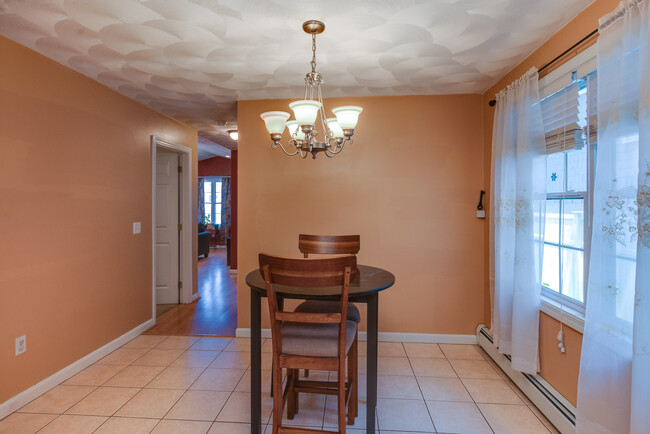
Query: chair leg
[291, 397]
[277, 396]
[353, 380]
[296, 376]
[306, 373]
[355, 370]
[341, 398]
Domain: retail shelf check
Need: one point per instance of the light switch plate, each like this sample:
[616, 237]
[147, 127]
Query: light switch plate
[480, 213]
[136, 227]
[21, 344]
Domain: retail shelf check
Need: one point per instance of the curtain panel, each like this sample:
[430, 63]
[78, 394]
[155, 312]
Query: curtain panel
[614, 382]
[201, 200]
[517, 226]
[225, 207]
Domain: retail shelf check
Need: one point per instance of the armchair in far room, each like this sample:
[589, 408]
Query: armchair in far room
[204, 241]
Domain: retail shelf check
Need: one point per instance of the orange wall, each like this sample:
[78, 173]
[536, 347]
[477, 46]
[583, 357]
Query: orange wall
[409, 186]
[560, 370]
[234, 178]
[75, 173]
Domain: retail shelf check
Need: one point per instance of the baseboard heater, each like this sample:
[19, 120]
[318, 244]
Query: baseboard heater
[549, 401]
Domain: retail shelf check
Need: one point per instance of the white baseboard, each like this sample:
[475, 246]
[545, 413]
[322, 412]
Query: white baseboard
[18, 401]
[389, 337]
[233, 271]
[559, 411]
[195, 297]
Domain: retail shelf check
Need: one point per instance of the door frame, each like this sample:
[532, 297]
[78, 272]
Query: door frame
[185, 209]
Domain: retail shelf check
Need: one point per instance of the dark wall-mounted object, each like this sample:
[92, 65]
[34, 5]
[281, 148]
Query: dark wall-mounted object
[480, 201]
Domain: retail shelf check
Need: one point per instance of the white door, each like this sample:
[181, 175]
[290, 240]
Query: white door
[167, 228]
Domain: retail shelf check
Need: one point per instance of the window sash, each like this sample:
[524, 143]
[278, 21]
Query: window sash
[212, 206]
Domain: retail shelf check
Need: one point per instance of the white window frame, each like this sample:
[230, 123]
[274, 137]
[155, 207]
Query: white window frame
[587, 197]
[213, 180]
[566, 309]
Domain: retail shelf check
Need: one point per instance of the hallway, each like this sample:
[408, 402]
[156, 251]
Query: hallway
[214, 313]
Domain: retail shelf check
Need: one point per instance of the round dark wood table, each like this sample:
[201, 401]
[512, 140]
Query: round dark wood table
[365, 288]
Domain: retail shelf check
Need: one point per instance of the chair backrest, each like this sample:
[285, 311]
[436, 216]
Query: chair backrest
[329, 244]
[308, 273]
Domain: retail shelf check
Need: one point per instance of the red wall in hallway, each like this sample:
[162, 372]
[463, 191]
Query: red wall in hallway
[215, 166]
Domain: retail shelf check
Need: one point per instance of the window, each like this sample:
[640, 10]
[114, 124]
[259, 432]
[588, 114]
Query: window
[212, 199]
[570, 145]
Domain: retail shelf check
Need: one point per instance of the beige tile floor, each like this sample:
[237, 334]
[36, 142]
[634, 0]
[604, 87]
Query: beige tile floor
[160, 384]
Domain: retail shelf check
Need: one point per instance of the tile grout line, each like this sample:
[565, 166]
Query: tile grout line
[188, 387]
[143, 387]
[420, 388]
[59, 415]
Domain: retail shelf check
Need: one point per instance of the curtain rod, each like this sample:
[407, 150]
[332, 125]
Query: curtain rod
[493, 102]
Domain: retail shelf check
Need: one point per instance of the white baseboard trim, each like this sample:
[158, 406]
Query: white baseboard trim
[559, 411]
[389, 337]
[232, 271]
[18, 401]
[195, 297]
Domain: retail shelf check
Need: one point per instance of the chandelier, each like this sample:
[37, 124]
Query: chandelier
[336, 131]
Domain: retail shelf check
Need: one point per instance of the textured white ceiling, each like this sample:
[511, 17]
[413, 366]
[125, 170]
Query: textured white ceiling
[193, 59]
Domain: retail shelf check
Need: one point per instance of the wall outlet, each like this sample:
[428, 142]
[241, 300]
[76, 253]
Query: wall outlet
[480, 213]
[21, 344]
[136, 227]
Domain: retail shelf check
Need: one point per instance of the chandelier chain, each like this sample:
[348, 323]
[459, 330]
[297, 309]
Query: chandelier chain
[313, 53]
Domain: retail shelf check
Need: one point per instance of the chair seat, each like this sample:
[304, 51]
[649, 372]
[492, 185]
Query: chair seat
[316, 340]
[323, 306]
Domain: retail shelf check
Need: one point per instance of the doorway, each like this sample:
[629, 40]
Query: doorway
[171, 227]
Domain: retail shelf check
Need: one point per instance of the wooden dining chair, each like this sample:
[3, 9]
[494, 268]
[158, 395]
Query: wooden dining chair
[320, 341]
[328, 245]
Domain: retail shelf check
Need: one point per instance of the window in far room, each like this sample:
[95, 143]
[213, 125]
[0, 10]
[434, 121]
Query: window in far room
[212, 199]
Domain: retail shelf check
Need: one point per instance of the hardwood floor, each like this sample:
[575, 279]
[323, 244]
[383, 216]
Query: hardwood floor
[215, 313]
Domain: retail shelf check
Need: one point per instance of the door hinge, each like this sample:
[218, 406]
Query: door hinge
[180, 226]
[180, 285]
[180, 169]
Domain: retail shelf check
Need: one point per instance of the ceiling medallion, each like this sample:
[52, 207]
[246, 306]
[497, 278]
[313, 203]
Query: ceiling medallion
[337, 131]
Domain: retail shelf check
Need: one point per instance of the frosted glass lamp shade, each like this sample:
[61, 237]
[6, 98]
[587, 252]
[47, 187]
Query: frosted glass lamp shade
[335, 128]
[347, 116]
[305, 111]
[293, 127]
[275, 121]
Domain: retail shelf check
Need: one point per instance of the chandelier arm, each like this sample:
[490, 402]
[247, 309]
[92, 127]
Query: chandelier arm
[285, 151]
[339, 146]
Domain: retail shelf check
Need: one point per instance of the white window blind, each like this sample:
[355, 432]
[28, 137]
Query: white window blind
[560, 112]
[591, 129]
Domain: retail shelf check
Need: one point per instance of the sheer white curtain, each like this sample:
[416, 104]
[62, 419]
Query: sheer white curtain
[614, 384]
[517, 232]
